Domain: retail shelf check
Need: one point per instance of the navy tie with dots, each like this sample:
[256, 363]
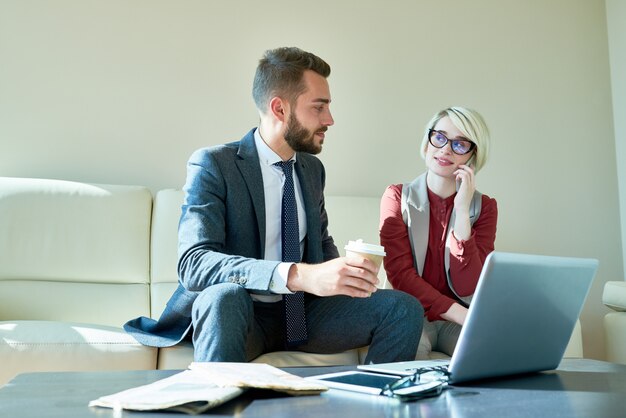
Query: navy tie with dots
[295, 318]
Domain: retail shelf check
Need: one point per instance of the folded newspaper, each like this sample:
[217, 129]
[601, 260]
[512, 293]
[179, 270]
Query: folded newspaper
[207, 385]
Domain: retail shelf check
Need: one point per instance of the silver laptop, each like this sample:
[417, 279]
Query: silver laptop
[520, 320]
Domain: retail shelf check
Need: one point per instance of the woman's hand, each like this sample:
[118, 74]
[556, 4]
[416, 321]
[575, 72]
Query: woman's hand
[462, 227]
[456, 313]
[467, 185]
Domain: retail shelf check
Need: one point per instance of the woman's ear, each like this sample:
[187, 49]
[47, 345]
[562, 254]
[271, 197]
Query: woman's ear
[278, 108]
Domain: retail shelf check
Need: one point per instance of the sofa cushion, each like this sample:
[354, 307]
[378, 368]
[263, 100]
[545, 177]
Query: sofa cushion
[97, 303]
[301, 359]
[164, 248]
[615, 331]
[614, 295]
[69, 231]
[181, 355]
[75, 241]
[64, 346]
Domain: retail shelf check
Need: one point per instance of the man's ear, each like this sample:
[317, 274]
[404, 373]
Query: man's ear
[279, 107]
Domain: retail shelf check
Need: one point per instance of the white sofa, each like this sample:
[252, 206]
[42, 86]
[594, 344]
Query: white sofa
[614, 297]
[78, 260]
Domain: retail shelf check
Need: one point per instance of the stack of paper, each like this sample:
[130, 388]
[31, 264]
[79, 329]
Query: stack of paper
[207, 385]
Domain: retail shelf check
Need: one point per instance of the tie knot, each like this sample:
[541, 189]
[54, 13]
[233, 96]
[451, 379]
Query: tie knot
[286, 166]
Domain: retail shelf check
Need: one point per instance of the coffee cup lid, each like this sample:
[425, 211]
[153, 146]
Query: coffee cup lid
[360, 246]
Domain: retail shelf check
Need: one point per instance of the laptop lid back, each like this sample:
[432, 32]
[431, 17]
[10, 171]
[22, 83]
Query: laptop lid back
[522, 315]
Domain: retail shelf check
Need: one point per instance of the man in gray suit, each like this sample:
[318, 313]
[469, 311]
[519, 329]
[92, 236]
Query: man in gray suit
[235, 279]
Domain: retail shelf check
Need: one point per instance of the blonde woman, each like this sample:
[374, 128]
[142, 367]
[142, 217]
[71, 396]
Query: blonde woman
[438, 229]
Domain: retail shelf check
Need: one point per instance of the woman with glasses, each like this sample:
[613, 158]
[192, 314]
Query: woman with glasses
[438, 229]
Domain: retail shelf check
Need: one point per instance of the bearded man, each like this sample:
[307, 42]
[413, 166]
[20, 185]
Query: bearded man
[258, 269]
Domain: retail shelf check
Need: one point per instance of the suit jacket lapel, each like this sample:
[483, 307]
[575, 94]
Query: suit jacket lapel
[249, 166]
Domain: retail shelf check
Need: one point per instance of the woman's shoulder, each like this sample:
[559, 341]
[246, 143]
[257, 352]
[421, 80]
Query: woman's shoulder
[393, 190]
[488, 203]
[486, 199]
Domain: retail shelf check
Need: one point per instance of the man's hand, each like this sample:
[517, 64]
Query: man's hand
[350, 276]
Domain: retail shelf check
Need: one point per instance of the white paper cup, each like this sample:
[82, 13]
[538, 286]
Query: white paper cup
[372, 252]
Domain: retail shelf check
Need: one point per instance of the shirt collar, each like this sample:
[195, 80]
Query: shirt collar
[266, 155]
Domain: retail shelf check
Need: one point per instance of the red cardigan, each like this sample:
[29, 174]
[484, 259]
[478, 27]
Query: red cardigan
[466, 257]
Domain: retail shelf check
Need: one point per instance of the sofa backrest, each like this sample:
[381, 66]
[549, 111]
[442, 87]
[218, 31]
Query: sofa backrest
[164, 248]
[73, 251]
[350, 218]
[103, 254]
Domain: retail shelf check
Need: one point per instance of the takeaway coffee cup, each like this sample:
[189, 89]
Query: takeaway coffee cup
[372, 252]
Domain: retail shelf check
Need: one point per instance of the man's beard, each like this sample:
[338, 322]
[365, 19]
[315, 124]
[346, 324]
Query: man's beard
[301, 139]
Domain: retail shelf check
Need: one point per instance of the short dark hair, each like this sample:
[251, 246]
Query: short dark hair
[280, 72]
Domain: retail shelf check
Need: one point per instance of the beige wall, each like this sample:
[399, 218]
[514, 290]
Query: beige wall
[123, 91]
[616, 16]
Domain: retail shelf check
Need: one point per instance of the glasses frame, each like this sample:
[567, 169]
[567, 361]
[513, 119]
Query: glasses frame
[433, 387]
[452, 142]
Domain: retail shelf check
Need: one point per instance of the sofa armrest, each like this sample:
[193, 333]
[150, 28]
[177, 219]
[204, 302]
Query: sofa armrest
[614, 295]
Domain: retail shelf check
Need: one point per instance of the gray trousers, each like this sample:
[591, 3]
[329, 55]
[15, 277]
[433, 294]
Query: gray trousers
[439, 336]
[229, 326]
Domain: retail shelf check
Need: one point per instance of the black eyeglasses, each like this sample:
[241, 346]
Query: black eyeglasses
[413, 387]
[459, 146]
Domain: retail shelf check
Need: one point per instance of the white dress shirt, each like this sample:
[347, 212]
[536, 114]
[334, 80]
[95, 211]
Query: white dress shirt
[273, 181]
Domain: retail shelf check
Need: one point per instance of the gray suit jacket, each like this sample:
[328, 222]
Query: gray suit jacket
[221, 234]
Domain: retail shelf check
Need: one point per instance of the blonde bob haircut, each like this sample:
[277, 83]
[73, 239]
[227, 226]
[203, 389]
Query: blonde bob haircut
[471, 124]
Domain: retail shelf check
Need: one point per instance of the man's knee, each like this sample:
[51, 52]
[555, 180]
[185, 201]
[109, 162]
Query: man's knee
[403, 306]
[411, 304]
[221, 293]
[223, 298]
[221, 318]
